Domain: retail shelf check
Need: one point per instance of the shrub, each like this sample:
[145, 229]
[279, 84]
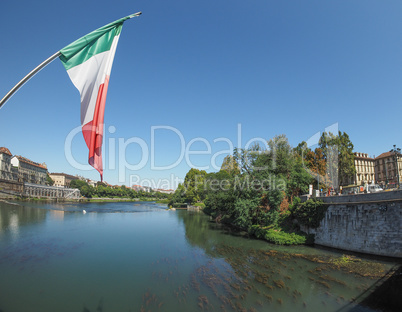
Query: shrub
[202, 205]
[279, 237]
[282, 238]
[310, 213]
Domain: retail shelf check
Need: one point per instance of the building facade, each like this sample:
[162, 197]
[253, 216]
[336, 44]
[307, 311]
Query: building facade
[28, 171]
[365, 169]
[170, 191]
[62, 179]
[139, 188]
[388, 169]
[5, 164]
[91, 182]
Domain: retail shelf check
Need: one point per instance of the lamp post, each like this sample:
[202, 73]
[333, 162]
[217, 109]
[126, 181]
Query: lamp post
[397, 154]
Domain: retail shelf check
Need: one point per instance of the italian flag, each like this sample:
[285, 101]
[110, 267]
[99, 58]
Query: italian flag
[88, 62]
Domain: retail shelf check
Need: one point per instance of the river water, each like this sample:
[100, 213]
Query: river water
[140, 257]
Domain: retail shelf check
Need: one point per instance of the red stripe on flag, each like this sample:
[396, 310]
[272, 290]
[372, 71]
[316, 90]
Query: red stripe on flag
[93, 130]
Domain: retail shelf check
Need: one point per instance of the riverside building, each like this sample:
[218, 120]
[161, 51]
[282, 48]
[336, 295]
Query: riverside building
[365, 169]
[29, 171]
[388, 169]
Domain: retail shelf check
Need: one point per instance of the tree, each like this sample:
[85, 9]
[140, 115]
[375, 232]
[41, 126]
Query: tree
[178, 197]
[301, 149]
[230, 165]
[86, 191]
[347, 169]
[282, 155]
[193, 185]
[299, 180]
[246, 159]
[329, 146]
[315, 161]
[339, 157]
[77, 184]
[49, 180]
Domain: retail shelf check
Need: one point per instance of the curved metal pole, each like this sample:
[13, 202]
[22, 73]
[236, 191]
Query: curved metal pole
[37, 69]
[27, 77]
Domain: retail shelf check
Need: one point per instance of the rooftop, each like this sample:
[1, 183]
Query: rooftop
[64, 175]
[362, 156]
[384, 155]
[5, 150]
[30, 162]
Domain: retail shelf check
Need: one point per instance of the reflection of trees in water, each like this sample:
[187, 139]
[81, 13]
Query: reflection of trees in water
[198, 230]
[206, 234]
[258, 277]
[13, 216]
[29, 252]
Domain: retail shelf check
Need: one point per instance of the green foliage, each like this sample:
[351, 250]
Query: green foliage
[299, 180]
[49, 180]
[86, 191]
[296, 202]
[310, 213]
[230, 165]
[192, 190]
[178, 197]
[244, 210]
[254, 187]
[346, 160]
[220, 205]
[282, 238]
[77, 184]
[103, 190]
[201, 205]
[278, 237]
[338, 153]
[253, 196]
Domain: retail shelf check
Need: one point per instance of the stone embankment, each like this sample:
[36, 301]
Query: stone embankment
[367, 223]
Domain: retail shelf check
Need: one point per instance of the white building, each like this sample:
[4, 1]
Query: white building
[91, 182]
[138, 188]
[365, 169]
[29, 171]
[62, 179]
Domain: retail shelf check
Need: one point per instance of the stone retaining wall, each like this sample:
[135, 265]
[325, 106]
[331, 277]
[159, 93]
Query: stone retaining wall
[367, 223]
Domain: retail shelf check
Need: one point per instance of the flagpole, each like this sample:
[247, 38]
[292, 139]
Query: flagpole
[38, 68]
[27, 77]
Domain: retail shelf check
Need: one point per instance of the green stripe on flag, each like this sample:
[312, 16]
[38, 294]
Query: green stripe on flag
[82, 52]
[98, 41]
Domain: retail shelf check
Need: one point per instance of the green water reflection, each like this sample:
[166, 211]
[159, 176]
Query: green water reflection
[140, 257]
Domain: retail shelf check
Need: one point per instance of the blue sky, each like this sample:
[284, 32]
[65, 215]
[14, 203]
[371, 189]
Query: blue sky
[202, 68]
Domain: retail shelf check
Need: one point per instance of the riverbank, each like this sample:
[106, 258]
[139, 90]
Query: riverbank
[107, 199]
[82, 199]
[122, 199]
